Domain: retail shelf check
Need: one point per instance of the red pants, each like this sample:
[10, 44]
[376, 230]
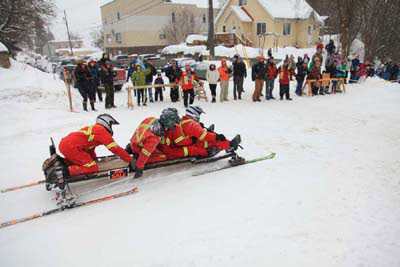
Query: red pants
[183, 151]
[156, 155]
[82, 161]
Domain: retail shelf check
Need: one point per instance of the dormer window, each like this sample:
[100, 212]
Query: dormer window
[242, 2]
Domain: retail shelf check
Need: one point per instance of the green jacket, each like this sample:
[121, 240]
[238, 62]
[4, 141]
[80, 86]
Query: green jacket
[138, 78]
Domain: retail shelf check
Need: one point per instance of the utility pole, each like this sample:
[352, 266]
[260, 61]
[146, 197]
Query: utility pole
[211, 35]
[69, 37]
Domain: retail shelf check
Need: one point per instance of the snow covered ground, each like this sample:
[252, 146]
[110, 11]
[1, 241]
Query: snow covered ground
[329, 198]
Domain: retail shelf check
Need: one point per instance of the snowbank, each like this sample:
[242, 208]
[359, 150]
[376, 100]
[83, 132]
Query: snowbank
[3, 48]
[195, 37]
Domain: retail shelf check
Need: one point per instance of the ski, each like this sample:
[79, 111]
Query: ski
[233, 163]
[60, 209]
[15, 188]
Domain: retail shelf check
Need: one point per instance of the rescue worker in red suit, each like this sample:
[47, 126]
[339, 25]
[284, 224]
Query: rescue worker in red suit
[148, 136]
[191, 132]
[173, 151]
[187, 82]
[79, 147]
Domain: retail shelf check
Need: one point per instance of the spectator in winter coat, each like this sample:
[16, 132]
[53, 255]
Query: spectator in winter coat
[132, 68]
[95, 80]
[82, 76]
[306, 58]
[330, 48]
[394, 73]
[239, 74]
[159, 90]
[173, 73]
[258, 74]
[315, 74]
[138, 78]
[270, 80]
[284, 80]
[187, 81]
[334, 72]
[355, 65]
[301, 74]
[107, 75]
[224, 73]
[102, 62]
[269, 53]
[212, 77]
[149, 78]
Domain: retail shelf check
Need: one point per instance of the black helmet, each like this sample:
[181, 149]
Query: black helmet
[194, 112]
[107, 121]
[173, 110]
[157, 128]
[169, 119]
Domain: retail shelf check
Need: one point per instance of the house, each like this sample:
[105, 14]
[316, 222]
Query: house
[268, 23]
[136, 26]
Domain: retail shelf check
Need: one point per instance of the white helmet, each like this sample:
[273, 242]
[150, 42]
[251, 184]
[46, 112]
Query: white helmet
[107, 121]
[194, 112]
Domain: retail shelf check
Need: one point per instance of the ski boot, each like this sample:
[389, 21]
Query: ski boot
[234, 144]
[55, 176]
[236, 161]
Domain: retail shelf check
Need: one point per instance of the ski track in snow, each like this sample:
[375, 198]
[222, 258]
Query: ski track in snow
[330, 197]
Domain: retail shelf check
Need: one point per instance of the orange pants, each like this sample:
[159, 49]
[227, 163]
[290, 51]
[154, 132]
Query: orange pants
[82, 161]
[257, 91]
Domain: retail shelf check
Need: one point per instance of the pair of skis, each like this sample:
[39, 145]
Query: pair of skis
[118, 195]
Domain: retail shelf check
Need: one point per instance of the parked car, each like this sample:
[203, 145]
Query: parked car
[121, 61]
[67, 63]
[181, 63]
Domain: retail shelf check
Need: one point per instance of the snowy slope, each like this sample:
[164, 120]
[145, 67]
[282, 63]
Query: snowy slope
[329, 198]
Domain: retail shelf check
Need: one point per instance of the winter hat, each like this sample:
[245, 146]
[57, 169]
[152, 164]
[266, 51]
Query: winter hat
[194, 112]
[320, 46]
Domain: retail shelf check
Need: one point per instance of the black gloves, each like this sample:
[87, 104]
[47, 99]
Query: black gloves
[132, 165]
[138, 173]
[194, 139]
[221, 137]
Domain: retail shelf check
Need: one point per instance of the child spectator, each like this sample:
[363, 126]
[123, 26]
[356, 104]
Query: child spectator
[315, 74]
[284, 80]
[212, 77]
[138, 78]
[270, 80]
[301, 74]
[159, 90]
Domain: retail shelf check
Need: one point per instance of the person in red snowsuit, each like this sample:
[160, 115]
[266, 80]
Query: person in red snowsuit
[148, 136]
[79, 147]
[190, 133]
[284, 80]
[187, 82]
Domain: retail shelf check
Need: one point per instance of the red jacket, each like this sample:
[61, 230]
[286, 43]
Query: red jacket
[88, 138]
[188, 128]
[271, 71]
[284, 75]
[187, 83]
[144, 142]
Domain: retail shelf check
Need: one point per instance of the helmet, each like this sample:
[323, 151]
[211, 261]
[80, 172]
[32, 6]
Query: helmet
[173, 110]
[169, 119]
[194, 112]
[107, 121]
[157, 128]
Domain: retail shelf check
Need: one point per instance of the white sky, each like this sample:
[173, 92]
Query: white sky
[83, 17]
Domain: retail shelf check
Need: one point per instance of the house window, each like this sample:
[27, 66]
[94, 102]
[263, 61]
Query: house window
[287, 29]
[108, 38]
[204, 19]
[118, 38]
[261, 28]
[242, 2]
[118, 16]
[163, 36]
[173, 17]
[224, 28]
[309, 30]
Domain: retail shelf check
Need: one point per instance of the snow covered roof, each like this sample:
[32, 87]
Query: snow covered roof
[198, 3]
[241, 14]
[3, 48]
[282, 9]
[195, 37]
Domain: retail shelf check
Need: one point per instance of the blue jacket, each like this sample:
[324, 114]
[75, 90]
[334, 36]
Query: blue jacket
[94, 72]
[130, 71]
[138, 61]
[355, 63]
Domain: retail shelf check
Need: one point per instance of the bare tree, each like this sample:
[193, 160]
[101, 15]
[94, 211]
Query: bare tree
[97, 38]
[182, 23]
[19, 17]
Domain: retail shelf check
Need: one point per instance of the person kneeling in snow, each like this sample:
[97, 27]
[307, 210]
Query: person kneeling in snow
[79, 148]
